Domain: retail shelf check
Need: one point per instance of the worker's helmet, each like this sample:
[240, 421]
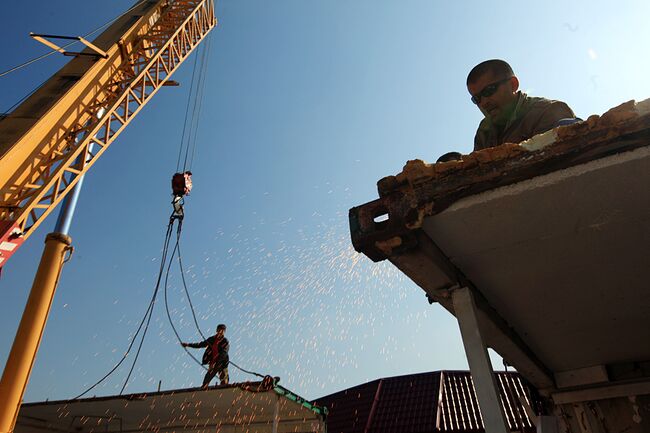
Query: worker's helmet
[220, 327]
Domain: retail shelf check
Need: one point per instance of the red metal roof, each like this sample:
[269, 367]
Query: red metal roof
[441, 401]
[352, 407]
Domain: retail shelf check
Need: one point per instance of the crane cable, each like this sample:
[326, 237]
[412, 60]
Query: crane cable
[146, 319]
[147, 315]
[193, 108]
[149, 312]
[188, 144]
[169, 317]
[87, 35]
[188, 141]
[202, 79]
[187, 294]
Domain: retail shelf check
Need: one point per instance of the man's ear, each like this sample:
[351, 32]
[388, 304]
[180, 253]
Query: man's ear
[514, 83]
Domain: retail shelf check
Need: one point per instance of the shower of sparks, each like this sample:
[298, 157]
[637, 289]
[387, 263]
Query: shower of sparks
[299, 303]
[592, 54]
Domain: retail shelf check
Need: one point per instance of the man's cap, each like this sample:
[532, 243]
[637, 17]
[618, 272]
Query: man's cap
[221, 326]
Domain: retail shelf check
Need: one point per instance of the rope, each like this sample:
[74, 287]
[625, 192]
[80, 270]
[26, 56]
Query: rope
[189, 299]
[10, 109]
[249, 372]
[193, 108]
[187, 112]
[41, 57]
[198, 103]
[169, 316]
[162, 265]
[137, 353]
[267, 384]
[195, 99]
[147, 313]
[180, 262]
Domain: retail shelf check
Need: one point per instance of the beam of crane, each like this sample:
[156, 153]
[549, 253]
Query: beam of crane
[45, 142]
[52, 139]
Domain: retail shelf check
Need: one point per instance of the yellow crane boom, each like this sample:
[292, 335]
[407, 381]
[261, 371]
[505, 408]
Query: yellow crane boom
[45, 142]
[49, 142]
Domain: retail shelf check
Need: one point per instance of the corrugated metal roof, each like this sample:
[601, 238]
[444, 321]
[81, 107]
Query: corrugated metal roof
[459, 409]
[352, 407]
[407, 404]
[442, 401]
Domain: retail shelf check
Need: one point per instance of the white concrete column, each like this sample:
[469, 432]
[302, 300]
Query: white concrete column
[480, 366]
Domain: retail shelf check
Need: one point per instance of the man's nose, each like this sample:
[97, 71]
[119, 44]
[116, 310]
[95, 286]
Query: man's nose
[485, 102]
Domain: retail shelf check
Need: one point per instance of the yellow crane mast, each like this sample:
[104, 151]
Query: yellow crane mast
[53, 138]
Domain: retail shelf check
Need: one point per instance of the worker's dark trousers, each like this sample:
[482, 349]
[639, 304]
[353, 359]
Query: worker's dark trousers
[212, 372]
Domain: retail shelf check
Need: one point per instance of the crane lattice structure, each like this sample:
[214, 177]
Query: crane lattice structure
[55, 136]
[52, 139]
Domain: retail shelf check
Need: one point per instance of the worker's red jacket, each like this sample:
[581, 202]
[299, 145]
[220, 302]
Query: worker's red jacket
[216, 351]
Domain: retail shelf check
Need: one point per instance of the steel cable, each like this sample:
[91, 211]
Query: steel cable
[147, 314]
[41, 57]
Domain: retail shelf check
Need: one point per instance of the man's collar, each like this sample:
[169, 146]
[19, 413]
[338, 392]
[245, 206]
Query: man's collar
[487, 123]
[521, 97]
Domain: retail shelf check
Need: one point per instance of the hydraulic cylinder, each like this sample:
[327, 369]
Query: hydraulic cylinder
[28, 337]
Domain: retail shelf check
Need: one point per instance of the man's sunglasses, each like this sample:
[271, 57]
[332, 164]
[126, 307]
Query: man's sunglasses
[488, 90]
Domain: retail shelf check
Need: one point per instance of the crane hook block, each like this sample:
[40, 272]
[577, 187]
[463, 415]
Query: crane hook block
[182, 184]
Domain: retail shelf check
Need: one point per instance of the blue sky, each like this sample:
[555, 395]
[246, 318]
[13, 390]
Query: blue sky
[308, 103]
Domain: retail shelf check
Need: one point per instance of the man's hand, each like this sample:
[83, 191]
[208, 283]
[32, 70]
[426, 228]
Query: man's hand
[184, 344]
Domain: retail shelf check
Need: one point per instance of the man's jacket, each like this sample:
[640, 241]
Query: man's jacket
[531, 116]
[214, 353]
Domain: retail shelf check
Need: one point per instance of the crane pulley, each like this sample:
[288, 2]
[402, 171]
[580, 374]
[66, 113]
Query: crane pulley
[181, 186]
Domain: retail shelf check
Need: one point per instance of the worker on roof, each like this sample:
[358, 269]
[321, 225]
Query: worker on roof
[215, 355]
[511, 116]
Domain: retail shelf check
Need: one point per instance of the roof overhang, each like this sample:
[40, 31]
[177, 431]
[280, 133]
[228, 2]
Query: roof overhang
[552, 235]
[231, 408]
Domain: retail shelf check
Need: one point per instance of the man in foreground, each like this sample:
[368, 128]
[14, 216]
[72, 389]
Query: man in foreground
[215, 355]
[511, 116]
